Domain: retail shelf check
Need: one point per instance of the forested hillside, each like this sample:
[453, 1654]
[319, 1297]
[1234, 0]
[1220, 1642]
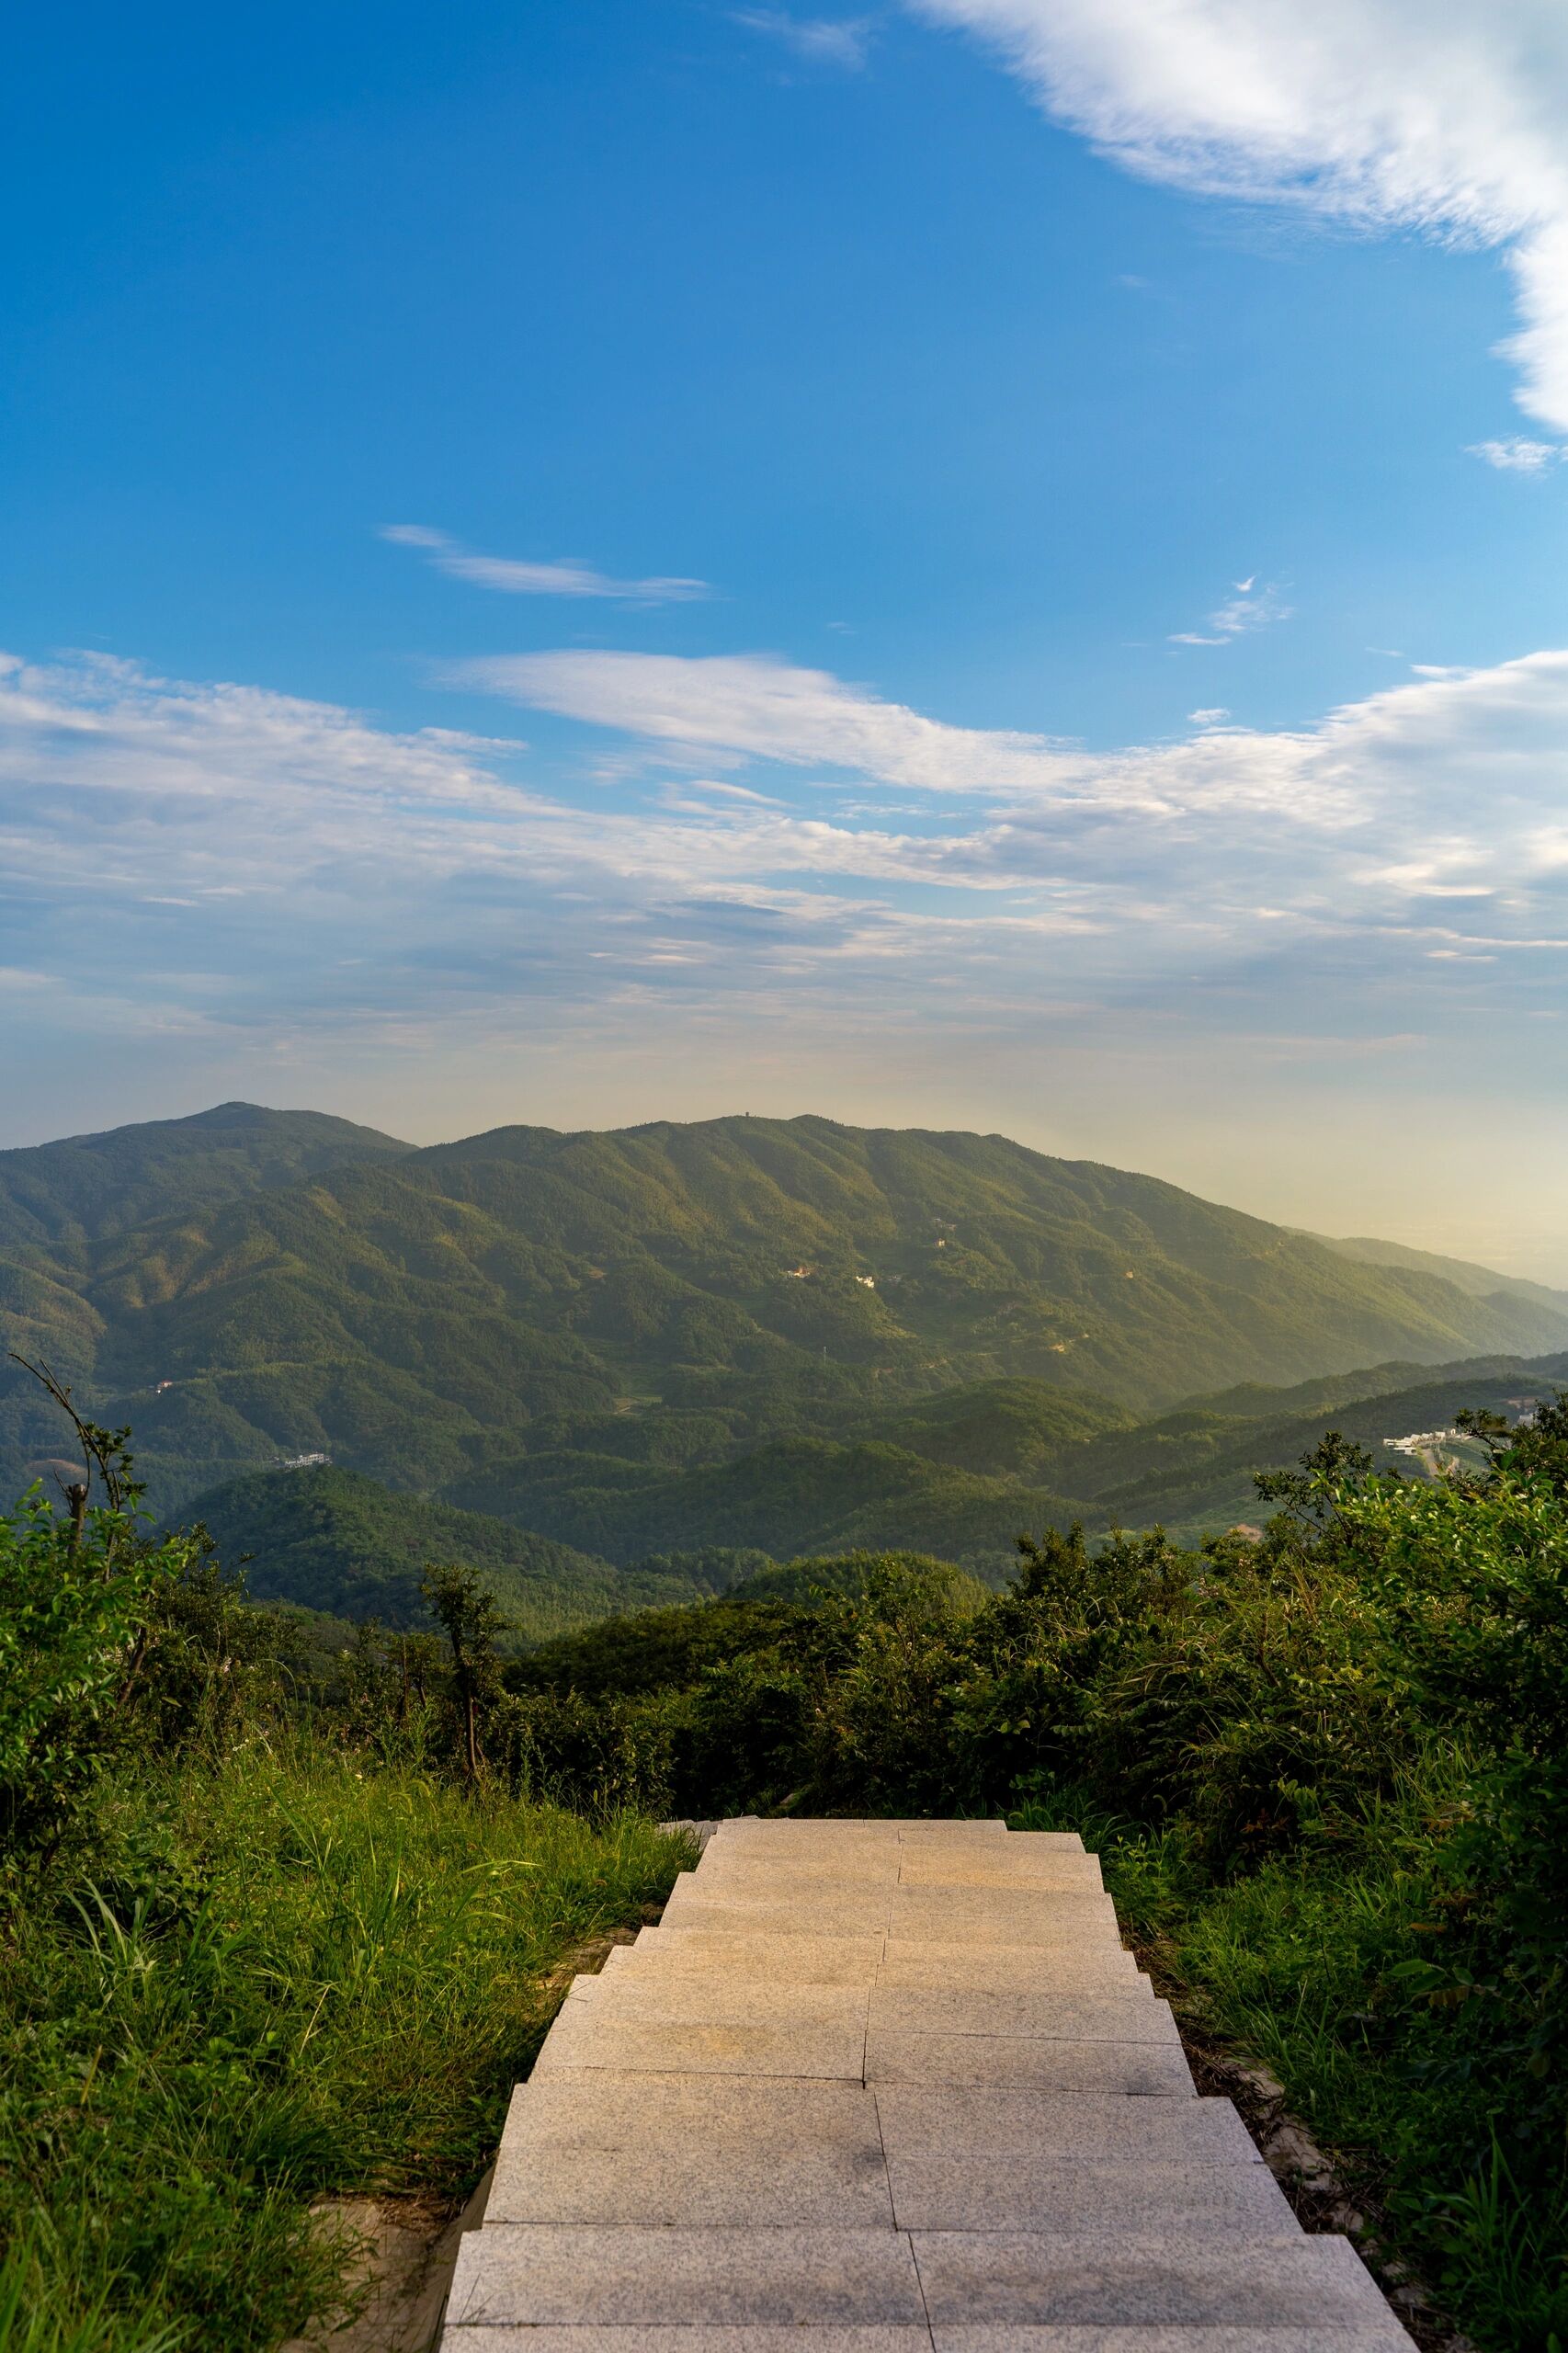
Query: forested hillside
[89, 1186]
[773, 1333]
[334, 1541]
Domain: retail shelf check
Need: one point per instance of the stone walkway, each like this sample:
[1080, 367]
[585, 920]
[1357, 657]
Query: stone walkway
[887, 2088]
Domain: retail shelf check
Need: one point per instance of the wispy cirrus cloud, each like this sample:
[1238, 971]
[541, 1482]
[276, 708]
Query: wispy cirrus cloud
[512, 576]
[1435, 116]
[1246, 608]
[1517, 454]
[818, 40]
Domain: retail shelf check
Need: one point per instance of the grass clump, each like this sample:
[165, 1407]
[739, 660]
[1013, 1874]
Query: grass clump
[290, 1973]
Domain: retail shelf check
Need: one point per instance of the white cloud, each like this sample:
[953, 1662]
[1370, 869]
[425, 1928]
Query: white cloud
[757, 706]
[568, 576]
[316, 870]
[1441, 116]
[1518, 455]
[1214, 717]
[1237, 615]
[820, 41]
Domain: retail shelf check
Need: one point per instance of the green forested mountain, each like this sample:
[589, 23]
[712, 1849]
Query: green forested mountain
[787, 1335]
[334, 1541]
[89, 1186]
[1481, 1282]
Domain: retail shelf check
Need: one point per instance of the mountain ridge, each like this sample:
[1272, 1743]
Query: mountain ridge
[534, 1318]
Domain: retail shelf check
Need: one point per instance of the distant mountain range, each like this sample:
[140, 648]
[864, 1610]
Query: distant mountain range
[782, 1334]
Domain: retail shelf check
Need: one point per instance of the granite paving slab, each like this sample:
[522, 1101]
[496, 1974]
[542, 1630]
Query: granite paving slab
[1000, 1915]
[1383, 2336]
[1003, 2278]
[598, 2109]
[803, 1918]
[720, 1998]
[943, 1866]
[615, 2273]
[1075, 2015]
[670, 2175]
[816, 1960]
[1017, 2192]
[824, 1908]
[911, 1961]
[671, 2338]
[983, 2121]
[1138, 2071]
[581, 2040]
[879, 1868]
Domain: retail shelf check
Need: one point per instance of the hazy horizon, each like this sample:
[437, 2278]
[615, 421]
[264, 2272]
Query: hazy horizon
[990, 564]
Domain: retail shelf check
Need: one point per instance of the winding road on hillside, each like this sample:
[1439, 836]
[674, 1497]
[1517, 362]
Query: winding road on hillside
[887, 2088]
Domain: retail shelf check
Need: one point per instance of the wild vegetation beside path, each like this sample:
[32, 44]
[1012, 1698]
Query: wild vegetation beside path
[281, 1918]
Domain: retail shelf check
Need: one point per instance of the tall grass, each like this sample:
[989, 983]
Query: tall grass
[1303, 1965]
[286, 1974]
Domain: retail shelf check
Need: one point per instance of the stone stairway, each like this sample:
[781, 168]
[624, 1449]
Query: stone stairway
[887, 2088]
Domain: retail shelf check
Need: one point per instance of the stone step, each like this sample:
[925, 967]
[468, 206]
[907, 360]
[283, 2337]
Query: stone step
[1051, 1874]
[978, 2121]
[1383, 2336]
[579, 2038]
[913, 1965]
[610, 2274]
[671, 2338]
[777, 1835]
[802, 1960]
[838, 1912]
[719, 1998]
[980, 1864]
[918, 1915]
[1008, 2278]
[1379, 2337]
[1072, 2015]
[805, 1874]
[999, 1916]
[1051, 1974]
[1025, 1968]
[903, 1961]
[1135, 2070]
[660, 2156]
[1020, 2192]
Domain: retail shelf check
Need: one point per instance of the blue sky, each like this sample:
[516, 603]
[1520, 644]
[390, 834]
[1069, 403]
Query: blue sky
[984, 562]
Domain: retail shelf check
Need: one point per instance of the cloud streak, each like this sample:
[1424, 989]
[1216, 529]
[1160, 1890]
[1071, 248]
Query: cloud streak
[1435, 115]
[818, 40]
[567, 576]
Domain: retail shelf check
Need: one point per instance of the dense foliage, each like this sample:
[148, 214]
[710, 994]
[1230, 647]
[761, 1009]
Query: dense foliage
[261, 1938]
[332, 1540]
